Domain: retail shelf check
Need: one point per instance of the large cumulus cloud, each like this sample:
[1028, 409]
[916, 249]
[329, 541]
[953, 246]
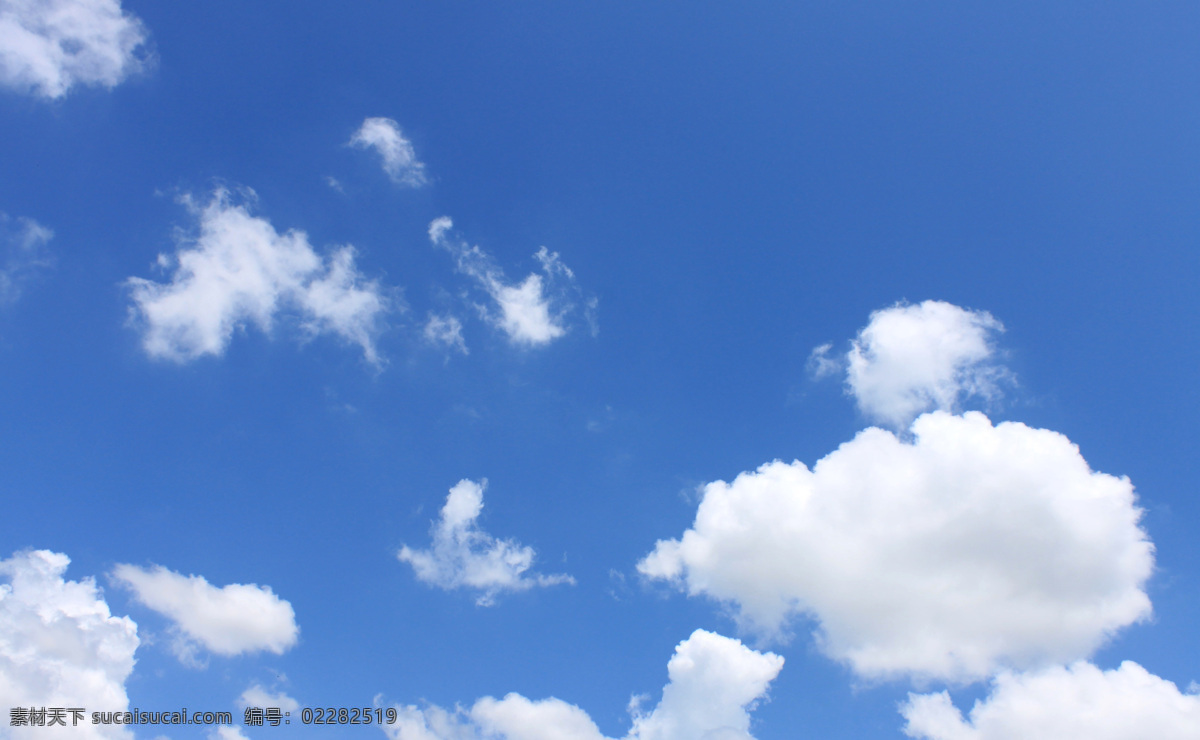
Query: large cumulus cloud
[60, 646]
[1077, 701]
[965, 550]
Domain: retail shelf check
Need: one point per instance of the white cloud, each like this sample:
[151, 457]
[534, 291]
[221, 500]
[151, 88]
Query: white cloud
[715, 682]
[446, 332]
[821, 365]
[59, 644]
[238, 618]
[257, 696]
[49, 46]
[971, 548]
[464, 556]
[430, 723]
[533, 312]
[516, 718]
[525, 312]
[24, 243]
[911, 359]
[399, 158]
[227, 732]
[240, 271]
[1081, 701]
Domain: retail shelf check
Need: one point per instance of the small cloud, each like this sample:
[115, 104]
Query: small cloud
[525, 312]
[257, 696]
[23, 242]
[396, 152]
[821, 365]
[910, 359]
[464, 556]
[334, 183]
[239, 270]
[232, 620]
[619, 587]
[591, 308]
[714, 682]
[445, 332]
[48, 47]
[533, 312]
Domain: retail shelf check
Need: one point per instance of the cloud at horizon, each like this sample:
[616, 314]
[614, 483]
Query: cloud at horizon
[1076, 701]
[714, 682]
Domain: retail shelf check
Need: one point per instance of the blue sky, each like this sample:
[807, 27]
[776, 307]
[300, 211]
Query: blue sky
[407, 355]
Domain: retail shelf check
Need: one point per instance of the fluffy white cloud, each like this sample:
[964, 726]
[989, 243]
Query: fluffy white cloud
[525, 312]
[715, 682]
[464, 556]
[533, 312]
[1080, 701]
[49, 46]
[445, 332]
[238, 618]
[969, 548]
[59, 644]
[24, 243]
[911, 359]
[399, 158]
[240, 271]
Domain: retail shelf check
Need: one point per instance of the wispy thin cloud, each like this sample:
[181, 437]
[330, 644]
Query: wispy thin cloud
[25, 253]
[445, 332]
[396, 153]
[532, 312]
[464, 556]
